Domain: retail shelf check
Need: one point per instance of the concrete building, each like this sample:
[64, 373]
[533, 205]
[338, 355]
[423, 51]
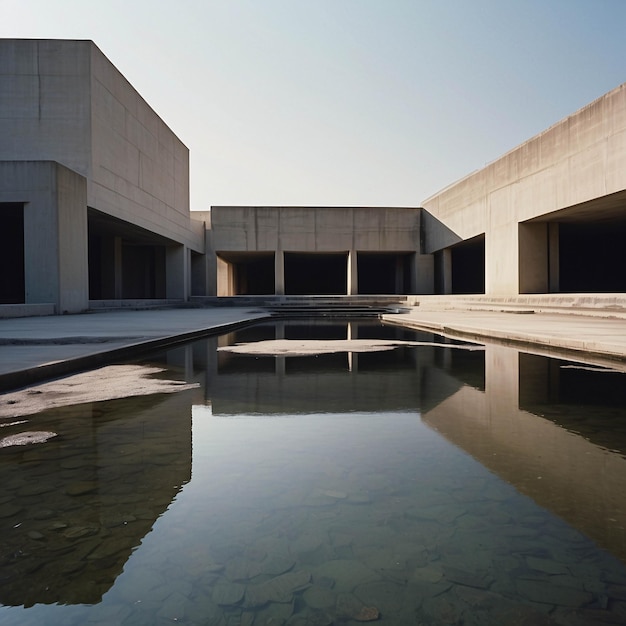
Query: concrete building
[94, 187]
[547, 217]
[316, 250]
[94, 203]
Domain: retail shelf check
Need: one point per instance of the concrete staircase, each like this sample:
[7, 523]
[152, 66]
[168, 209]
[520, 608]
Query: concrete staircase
[314, 306]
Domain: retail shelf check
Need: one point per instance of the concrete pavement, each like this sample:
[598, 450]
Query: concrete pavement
[35, 348]
[587, 338]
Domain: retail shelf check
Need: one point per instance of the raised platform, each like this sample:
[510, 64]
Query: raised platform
[26, 310]
[314, 306]
[610, 305]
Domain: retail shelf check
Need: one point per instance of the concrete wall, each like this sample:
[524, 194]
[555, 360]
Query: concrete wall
[578, 162]
[45, 102]
[139, 168]
[64, 101]
[315, 229]
[55, 231]
[347, 230]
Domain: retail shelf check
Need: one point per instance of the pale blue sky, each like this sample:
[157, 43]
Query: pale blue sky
[345, 102]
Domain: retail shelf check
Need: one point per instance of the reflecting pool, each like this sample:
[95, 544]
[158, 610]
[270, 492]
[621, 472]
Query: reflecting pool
[318, 474]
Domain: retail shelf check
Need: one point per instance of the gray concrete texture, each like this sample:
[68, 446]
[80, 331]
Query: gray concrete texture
[33, 349]
[64, 101]
[36, 348]
[315, 229]
[575, 169]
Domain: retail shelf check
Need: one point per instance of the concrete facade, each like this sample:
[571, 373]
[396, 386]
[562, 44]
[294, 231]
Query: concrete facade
[336, 250]
[94, 198]
[55, 230]
[64, 102]
[572, 173]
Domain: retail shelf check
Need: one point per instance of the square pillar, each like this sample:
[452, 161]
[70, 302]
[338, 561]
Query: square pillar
[502, 260]
[177, 272]
[279, 273]
[554, 270]
[533, 258]
[446, 271]
[422, 273]
[55, 233]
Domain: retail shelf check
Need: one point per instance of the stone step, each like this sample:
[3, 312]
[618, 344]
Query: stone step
[591, 305]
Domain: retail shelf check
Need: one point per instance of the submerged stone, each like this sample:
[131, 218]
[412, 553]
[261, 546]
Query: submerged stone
[279, 589]
[228, 594]
[26, 438]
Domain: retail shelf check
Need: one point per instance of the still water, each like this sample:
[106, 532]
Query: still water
[421, 485]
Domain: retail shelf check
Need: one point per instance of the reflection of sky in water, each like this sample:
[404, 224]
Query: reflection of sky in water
[421, 510]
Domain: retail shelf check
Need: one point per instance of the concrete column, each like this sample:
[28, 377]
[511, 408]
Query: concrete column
[55, 235]
[41, 276]
[533, 258]
[422, 273]
[211, 270]
[554, 270]
[353, 273]
[211, 264]
[177, 272]
[224, 278]
[279, 273]
[73, 241]
[502, 260]
[446, 271]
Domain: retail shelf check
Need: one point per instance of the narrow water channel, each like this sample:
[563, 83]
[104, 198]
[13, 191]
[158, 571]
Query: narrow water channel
[318, 474]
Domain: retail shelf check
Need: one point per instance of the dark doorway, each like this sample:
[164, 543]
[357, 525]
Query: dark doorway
[253, 274]
[592, 257]
[460, 269]
[316, 273]
[384, 273]
[468, 266]
[12, 290]
[125, 261]
[143, 272]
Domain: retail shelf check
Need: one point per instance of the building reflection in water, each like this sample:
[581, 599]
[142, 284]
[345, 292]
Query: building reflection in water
[532, 426]
[553, 429]
[73, 510]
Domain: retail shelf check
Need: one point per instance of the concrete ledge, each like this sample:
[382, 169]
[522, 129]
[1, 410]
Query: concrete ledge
[591, 305]
[100, 305]
[591, 340]
[63, 367]
[26, 310]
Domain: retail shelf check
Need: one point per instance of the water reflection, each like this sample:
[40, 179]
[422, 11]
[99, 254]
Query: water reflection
[326, 486]
[73, 510]
[528, 427]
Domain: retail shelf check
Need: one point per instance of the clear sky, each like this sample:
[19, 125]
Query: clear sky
[345, 102]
